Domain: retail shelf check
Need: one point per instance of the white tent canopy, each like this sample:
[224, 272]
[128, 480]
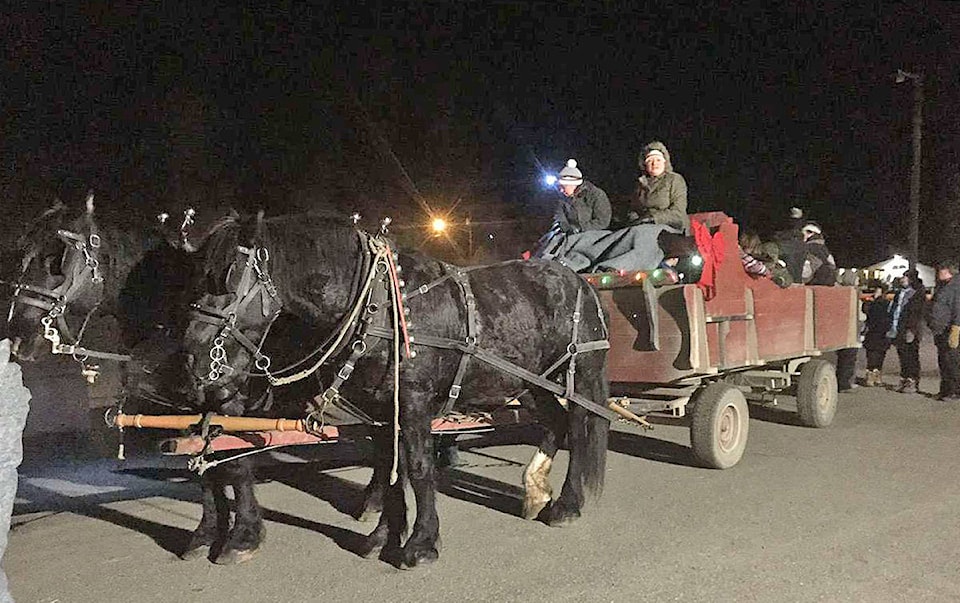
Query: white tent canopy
[889, 270]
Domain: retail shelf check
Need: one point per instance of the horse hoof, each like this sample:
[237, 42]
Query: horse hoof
[533, 507]
[235, 556]
[372, 546]
[558, 516]
[412, 559]
[196, 552]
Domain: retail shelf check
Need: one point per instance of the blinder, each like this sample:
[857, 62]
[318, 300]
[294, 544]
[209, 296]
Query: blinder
[254, 283]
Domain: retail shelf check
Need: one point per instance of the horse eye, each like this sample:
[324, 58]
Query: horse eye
[52, 266]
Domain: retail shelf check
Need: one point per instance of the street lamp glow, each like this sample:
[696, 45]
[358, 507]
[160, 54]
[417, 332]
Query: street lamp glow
[438, 225]
[549, 180]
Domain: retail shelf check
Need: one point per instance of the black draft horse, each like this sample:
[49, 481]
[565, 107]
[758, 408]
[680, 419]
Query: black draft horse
[90, 267]
[524, 314]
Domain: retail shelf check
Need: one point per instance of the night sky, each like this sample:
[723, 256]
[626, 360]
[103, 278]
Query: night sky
[389, 109]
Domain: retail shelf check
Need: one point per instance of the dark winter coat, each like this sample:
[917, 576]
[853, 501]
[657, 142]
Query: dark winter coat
[587, 209]
[911, 317]
[819, 268]
[664, 198]
[945, 308]
[877, 324]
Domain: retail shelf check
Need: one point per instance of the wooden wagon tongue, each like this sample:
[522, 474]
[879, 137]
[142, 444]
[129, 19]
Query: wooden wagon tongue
[251, 432]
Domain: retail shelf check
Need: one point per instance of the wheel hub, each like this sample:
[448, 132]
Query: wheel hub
[728, 435]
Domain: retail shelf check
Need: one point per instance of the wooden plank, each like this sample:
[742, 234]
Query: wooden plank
[835, 321]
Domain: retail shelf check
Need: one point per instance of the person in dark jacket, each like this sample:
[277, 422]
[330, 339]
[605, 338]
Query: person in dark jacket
[944, 323]
[789, 242]
[661, 196]
[584, 206]
[906, 318]
[819, 267]
[876, 327]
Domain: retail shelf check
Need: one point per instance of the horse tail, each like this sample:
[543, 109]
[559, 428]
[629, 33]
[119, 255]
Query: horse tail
[589, 434]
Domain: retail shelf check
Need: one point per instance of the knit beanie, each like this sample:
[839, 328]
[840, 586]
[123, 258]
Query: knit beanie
[570, 174]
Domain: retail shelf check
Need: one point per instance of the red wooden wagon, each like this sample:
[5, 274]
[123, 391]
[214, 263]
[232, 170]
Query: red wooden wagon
[680, 350]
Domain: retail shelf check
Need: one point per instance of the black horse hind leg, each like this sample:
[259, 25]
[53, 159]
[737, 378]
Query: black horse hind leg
[215, 522]
[248, 531]
[587, 440]
[537, 491]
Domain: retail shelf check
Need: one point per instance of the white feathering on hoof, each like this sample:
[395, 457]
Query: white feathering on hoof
[536, 485]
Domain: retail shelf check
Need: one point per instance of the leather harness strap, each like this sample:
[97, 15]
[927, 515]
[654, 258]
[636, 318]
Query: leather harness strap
[470, 349]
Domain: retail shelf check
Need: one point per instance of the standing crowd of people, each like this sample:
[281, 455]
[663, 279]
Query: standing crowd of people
[896, 319]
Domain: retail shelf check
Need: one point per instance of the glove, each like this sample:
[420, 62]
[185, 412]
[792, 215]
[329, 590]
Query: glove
[909, 337]
[954, 339]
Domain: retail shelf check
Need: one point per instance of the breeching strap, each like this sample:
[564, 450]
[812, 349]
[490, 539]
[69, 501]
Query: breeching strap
[469, 348]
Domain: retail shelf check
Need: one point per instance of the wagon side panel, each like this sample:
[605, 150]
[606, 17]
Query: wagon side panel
[782, 320]
[835, 317]
[680, 348]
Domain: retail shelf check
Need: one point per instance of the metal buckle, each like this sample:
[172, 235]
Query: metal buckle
[454, 392]
[345, 371]
[576, 316]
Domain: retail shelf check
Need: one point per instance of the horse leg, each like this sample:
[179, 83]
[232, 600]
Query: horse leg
[392, 526]
[215, 522]
[248, 531]
[587, 440]
[373, 494]
[537, 491]
[423, 546]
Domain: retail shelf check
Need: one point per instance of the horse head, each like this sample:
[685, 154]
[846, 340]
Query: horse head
[231, 319]
[60, 281]
[294, 264]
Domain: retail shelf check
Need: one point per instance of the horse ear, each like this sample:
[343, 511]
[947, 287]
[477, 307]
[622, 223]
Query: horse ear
[90, 203]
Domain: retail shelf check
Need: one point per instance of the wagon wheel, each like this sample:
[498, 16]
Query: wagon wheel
[817, 393]
[718, 431]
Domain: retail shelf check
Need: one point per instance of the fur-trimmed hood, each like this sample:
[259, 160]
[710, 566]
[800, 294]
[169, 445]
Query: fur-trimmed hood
[659, 146]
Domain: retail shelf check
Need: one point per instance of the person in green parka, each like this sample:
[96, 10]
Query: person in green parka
[661, 196]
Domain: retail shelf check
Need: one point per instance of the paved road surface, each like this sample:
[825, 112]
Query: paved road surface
[866, 510]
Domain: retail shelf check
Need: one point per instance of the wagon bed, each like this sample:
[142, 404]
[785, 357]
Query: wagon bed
[671, 346]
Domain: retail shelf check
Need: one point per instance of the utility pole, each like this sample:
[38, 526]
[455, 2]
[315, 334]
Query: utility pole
[469, 239]
[902, 76]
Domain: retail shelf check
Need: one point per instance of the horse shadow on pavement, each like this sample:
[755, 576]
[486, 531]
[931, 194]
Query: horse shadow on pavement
[88, 494]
